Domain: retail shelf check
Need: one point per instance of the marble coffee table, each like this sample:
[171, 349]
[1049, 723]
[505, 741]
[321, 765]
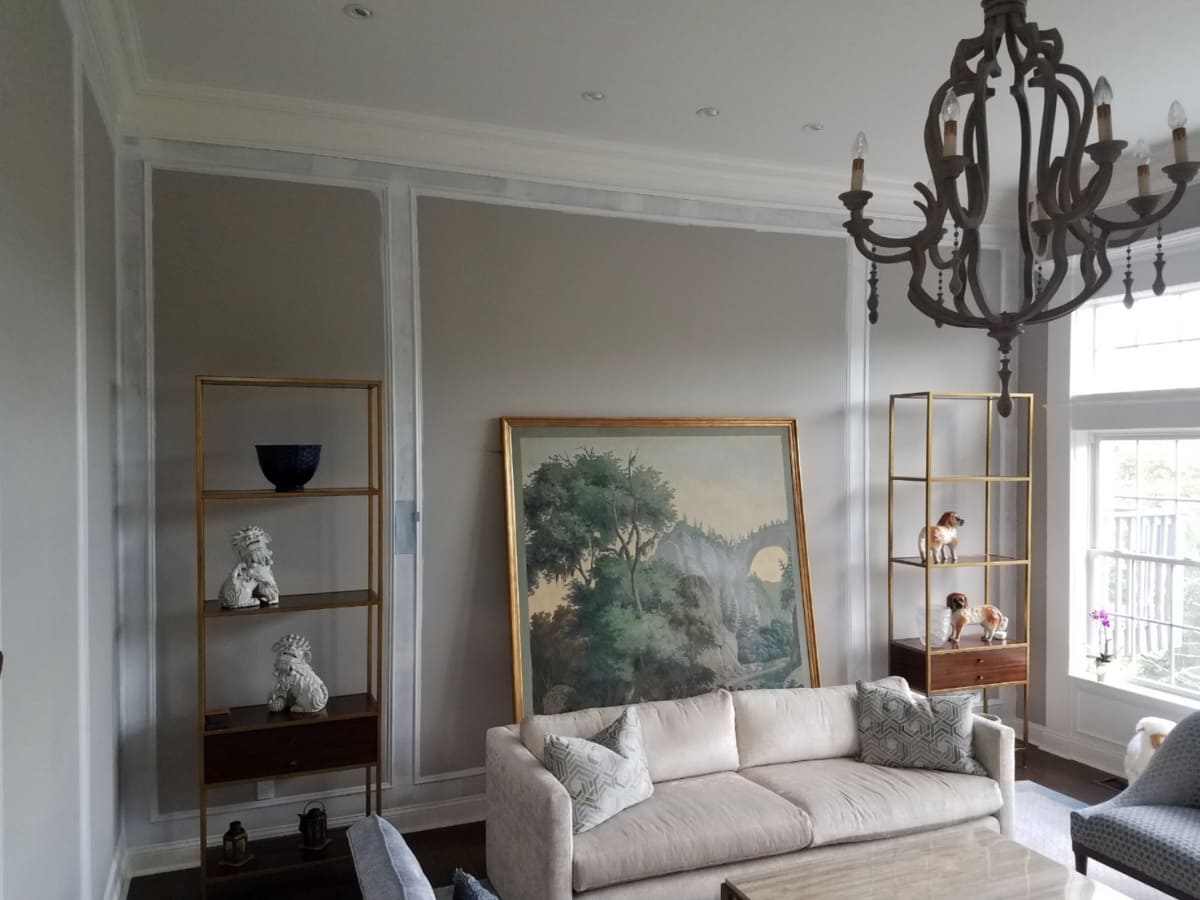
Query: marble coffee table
[979, 865]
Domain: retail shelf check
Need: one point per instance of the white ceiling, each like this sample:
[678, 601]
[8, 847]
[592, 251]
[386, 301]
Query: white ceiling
[769, 65]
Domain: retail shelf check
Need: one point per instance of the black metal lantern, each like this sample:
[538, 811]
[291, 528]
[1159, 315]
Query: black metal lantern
[1059, 205]
[314, 826]
[235, 846]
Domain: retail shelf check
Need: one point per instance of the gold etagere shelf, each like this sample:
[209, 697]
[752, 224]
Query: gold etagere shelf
[257, 744]
[972, 664]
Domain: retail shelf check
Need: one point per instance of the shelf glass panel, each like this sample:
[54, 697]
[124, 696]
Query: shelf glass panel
[270, 494]
[297, 603]
[258, 717]
[966, 645]
[953, 479]
[964, 561]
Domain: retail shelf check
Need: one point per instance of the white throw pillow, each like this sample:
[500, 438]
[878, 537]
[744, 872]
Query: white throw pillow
[603, 774]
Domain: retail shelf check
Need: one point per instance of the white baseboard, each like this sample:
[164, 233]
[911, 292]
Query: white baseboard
[117, 886]
[1091, 751]
[154, 858]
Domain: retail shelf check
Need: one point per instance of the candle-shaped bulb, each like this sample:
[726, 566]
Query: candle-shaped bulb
[1103, 95]
[950, 106]
[1177, 119]
[1141, 153]
[859, 151]
[1177, 115]
[860, 147]
[950, 111]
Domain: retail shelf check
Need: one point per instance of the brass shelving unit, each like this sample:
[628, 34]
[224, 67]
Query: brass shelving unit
[258, 744]
[973, 665]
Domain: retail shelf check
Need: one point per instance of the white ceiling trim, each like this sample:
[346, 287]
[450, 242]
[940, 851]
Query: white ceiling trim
[209, 115]
[183, 112]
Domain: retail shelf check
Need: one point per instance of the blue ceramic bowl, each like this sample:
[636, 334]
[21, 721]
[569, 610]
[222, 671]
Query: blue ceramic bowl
[288, 466]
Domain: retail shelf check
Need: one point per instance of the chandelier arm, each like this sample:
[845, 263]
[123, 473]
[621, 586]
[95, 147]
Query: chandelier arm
[1145, 221]
[860, 228]
[920, 298]
[972, 252]
[944, 175]
[1027, 254]
[1085, 294]
[1051, 285]
[875, 256]
[1126, 239]
[1093, 195]
[1079, 125]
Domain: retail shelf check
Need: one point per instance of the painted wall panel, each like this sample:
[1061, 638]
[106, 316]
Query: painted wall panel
[534, 312]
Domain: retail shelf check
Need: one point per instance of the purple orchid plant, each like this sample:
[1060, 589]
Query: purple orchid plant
[1101, 616]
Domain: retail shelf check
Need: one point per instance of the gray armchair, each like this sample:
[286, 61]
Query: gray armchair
[1151, 830]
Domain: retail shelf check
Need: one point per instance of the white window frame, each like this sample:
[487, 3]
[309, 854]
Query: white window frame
[1094, 437]
[1074, 424]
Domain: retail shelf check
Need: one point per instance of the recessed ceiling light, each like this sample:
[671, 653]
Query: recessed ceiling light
[708, 112]
[813, 126]
[592, 96]
[358, 11]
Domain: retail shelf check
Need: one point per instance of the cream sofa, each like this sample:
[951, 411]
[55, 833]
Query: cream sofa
[745, 783]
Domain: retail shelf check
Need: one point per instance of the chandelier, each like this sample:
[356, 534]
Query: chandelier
[1059, 214]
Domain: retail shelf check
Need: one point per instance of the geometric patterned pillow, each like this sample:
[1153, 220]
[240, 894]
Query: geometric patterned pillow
[604, 774]
[898, 729]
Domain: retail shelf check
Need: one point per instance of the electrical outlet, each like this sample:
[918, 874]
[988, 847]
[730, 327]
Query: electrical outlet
[264, 790]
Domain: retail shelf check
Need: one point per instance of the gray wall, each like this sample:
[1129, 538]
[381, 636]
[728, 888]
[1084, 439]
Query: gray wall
[258, 277]
[44, 545]
[532, 312]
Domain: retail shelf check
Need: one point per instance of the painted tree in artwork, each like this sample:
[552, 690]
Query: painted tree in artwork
[629, 629]
[581, 508]
[642, 508]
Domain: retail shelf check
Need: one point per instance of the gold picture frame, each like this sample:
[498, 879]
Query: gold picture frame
[654, 558]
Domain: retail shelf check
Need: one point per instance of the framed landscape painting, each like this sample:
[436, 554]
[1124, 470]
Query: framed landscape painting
[652, 559]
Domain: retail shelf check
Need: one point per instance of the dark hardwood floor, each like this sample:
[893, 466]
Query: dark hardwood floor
[444, 849]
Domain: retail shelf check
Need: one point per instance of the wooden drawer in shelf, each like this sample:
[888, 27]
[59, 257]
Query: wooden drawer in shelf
[978, 667]
[255, 753]
[965, 668]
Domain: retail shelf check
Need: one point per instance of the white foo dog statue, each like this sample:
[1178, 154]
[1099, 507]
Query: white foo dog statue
[297, 687]
[251, 583]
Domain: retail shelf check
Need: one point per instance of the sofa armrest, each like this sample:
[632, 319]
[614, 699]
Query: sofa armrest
[994, 749]
[529, 832]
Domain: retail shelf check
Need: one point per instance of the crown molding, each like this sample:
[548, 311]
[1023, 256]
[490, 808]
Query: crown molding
[173, 111]
[143, 107]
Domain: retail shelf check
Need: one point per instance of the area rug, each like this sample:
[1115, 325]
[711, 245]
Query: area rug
[1044, 825]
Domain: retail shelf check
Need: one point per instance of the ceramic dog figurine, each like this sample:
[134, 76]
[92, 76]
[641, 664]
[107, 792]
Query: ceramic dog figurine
[940, 541]
[994, 622]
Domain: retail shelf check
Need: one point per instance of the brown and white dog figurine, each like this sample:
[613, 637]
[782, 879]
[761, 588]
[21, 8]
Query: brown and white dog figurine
[941, 539]
[994, 622]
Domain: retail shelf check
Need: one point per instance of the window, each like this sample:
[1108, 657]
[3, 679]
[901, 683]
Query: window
[1144, 558]
[1153, 346]
[1133, 378]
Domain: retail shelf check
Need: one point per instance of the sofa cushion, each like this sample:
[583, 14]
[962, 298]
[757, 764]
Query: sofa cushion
[851, 801]
[899, 728]
[385, 866]
[604, 774]
[689, 823]
[683, 738]
[793, 725]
